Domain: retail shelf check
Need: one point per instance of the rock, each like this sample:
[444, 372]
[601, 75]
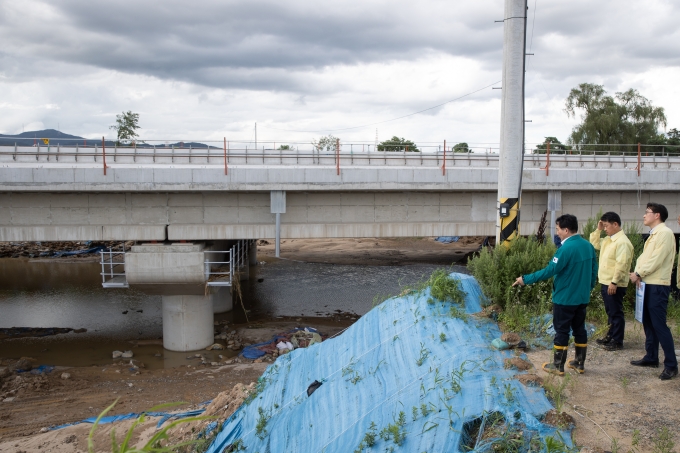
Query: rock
[197, 356]
[23, 364]
[66, 376]
[210, 377]
[117, 354]
[4, 372]
[214, 363]
[79, 330]
[127, 355]
[158, 355]
[215, 346]
[44, 430]
[8, 400]
[236, 346]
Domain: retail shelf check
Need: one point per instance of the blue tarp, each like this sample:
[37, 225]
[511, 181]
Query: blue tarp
[165, 416]
[410, 354]
[79, 252]
[447, 239]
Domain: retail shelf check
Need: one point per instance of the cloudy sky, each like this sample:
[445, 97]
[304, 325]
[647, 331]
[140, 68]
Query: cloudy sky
[209, 69]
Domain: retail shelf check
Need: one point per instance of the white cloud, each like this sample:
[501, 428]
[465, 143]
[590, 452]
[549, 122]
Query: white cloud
[208, 69]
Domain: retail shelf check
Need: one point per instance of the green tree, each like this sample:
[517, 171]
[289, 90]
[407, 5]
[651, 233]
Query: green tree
[461, 148]
[672, 141]
[126, 127]
[327, 143]
[556, 146]
[626, 118]
[285, 147]
[398, 144]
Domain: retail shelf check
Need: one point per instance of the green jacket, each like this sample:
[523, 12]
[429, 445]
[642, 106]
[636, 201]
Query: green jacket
[574, 267]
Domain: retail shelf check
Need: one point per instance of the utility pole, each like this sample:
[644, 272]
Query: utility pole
[511, 153]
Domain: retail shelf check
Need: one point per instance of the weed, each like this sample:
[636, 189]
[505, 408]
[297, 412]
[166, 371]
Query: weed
[457, 312]
[369, 438]
[445, 288]
[635, 441]
[558, 445]
[555, 390]
[615, 447]
[356, 378]
[349, 368]
[625, 380]
[663, 441]
[395, 431]
[414, 413]
[509, 393]
[154, 444]
[262, 419]
[496, 269]
[424, 354]
[375, 370]
[237, 445]
[424, 409]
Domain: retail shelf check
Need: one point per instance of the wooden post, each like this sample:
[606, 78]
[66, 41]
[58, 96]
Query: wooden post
[104, 154]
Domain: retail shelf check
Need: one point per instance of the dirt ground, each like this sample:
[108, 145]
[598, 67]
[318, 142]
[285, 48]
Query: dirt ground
[609, 401]
[374, 251]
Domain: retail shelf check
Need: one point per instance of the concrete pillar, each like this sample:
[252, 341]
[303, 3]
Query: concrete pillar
[187, 322]
[252, 253]
[221, 300]
[511, 152]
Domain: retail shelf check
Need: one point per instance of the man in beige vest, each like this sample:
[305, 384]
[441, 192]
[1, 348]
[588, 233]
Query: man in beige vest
[654, 267]
[616, 256]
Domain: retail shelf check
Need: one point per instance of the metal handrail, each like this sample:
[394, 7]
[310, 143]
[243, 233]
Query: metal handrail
[110, 274]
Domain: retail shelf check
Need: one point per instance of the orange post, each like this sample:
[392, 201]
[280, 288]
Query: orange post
[547, 159]
[444, 163]
[226, 167]
[337, 155]
[104, 154]
[639, 162]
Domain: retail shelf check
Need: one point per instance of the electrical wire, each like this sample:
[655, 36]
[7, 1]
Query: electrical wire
[393, 119]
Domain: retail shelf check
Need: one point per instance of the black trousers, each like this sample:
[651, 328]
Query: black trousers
[568, 318]
[613, 305]
[654, 322]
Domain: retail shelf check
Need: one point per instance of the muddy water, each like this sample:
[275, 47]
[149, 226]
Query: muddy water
[39, 293]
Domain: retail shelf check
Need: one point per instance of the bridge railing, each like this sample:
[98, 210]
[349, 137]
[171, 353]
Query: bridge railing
[346, 156]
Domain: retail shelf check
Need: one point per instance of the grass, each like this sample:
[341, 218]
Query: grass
[555, 389]
[155, 444]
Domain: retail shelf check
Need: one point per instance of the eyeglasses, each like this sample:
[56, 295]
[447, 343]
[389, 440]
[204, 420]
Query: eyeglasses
[650, 212]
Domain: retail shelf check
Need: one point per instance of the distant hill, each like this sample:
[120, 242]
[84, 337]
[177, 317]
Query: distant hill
[59, 138]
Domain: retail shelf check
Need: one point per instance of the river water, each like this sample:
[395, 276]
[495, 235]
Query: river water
[36, 293]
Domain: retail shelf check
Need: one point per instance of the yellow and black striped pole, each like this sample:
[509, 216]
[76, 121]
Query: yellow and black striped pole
[508, 220]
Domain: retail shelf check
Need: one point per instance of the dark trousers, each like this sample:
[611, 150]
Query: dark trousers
[613, 305]
[654, 323]
[568, 318]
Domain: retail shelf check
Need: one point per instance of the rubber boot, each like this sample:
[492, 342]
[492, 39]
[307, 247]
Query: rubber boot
[559, 357]
[579, 359]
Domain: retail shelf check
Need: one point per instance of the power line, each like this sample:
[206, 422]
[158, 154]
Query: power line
[393, 119]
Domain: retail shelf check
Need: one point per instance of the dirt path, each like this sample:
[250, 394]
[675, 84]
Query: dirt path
[613, 398]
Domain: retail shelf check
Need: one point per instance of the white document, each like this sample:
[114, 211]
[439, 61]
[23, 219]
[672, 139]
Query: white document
[639, 301]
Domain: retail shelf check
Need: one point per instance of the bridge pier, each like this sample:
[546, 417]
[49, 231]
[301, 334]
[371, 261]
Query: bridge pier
[181, 273]
[187, 322]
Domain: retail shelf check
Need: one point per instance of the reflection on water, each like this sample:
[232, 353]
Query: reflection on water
[69, 294]
[293, 288]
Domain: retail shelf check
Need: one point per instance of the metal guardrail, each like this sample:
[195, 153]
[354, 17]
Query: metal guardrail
[114, 277]
[215, 274]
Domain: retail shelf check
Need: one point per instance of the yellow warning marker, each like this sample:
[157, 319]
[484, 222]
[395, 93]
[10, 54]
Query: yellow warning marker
[509, 220]
[46, 141]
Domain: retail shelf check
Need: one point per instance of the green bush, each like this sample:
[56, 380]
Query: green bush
[497, 269]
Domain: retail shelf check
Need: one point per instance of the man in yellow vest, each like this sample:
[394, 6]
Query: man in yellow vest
[654, 267]
[616, 256]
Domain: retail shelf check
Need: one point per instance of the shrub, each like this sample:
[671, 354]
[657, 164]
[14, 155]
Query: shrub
[497, 269]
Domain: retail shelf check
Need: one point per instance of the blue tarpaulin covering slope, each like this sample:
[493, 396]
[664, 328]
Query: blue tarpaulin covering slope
[406, 355]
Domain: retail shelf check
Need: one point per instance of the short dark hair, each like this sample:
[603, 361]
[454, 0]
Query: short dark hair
[567, 221]
[660, 209]
[611, 217]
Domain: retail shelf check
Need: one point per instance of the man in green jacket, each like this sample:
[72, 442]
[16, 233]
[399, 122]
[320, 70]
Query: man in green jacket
[574, 267]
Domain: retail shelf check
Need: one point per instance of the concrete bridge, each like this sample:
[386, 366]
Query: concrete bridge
[197, 205]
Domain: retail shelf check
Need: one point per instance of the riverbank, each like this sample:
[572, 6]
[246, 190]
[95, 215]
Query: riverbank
[611, 399]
